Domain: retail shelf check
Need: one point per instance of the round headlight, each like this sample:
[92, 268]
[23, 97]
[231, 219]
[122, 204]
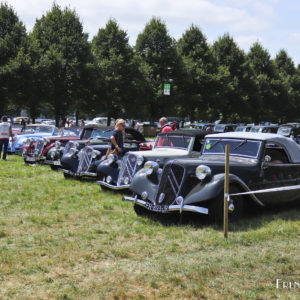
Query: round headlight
[126, 180]
[144, 195]
[139, 160]
[52, 155]
[57, 144]
[202, 172]
[150, 167]
[36, 151]
[112, 157]
[73, 151]
[95, 153]
[108, 179]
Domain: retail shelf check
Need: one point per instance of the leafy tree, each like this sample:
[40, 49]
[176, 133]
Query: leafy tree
[12, 37]
[159, 64]
[264, 76]
[196, 88]
[233, 84]
[114, 67]
[284, 88]
[65, 53]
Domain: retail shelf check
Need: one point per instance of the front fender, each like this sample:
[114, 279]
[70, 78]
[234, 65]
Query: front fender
[108, 170]
[141, 183]
[208, 190]
[70, 163]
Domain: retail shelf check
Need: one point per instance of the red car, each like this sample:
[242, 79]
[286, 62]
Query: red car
[35, 150]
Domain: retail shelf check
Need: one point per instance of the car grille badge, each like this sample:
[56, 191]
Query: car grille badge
[161, 198]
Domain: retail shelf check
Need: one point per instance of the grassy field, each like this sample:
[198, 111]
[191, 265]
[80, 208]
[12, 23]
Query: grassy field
[65, 239]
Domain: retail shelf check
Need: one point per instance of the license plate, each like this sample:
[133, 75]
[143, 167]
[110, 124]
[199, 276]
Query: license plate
[157, 208]
[56, 163]
[30, 158]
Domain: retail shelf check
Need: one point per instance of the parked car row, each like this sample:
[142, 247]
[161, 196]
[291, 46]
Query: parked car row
[180, 171]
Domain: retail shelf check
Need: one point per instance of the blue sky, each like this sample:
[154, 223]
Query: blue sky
[273, 23]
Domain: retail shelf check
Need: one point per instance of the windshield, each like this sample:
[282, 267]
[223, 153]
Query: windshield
[247, 148]
[284, 131]
[174, 141]
[70, 131]
[219, 128]
[38, 129]
[101, 133]
[256, 129]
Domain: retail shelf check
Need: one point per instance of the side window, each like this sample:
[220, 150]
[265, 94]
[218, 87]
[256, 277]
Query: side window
[277, 155]
[197, 145]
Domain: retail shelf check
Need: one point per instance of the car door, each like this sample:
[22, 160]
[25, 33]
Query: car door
[278, 172]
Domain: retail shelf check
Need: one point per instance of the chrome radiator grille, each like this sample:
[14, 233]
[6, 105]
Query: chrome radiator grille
[30, 150]
[85, 159]
[128, 168]
[39, 147]
[170, 184]
[68, 146]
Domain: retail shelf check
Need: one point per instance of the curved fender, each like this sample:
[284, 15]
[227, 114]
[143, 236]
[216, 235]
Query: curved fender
[69, 163]
[208, 190]
[141, 183]
[108, 170]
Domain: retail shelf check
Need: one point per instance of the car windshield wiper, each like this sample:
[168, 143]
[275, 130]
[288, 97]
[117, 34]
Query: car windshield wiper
[240, 144]
[217, 142]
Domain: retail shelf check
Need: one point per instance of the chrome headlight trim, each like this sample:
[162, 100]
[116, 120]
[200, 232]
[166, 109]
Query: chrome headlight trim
[202, 171]
[72, 151]
[139, 160]
[57, 144]
[95, 153]
[150, 167]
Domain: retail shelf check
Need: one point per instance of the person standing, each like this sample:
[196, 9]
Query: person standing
[117, 139]
[164, 125]
[5, 133]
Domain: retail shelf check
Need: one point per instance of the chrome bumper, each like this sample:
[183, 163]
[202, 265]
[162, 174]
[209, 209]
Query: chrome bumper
[82, 174]
[114, 187]
[52, 162]
[171, 208]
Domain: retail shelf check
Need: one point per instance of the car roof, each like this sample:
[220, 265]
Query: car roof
[291, 146]
[186, 132]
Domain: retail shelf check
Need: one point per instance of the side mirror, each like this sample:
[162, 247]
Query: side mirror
[267, 158]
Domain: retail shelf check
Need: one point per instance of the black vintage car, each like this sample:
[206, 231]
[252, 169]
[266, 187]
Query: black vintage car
[117, 174]
[82, 157]
[257, 161]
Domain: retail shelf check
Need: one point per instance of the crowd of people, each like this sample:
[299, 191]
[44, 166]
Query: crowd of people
[117, 139]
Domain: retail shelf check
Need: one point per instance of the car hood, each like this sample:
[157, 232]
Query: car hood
[217, 163]
[161, 152]
[35, 135]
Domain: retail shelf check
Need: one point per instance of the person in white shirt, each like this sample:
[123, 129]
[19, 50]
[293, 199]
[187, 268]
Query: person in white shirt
[5, 133]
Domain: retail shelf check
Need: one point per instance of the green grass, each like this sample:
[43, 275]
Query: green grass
[66, 239]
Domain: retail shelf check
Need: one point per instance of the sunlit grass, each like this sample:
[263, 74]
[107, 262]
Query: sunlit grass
[66, 239]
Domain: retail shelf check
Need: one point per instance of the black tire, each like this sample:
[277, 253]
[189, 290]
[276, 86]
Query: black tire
[54, 168]
[68, 176]
[216, 208]
[140, 211]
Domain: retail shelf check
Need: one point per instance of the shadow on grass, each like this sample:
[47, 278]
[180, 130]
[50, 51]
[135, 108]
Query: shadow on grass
[254, 218]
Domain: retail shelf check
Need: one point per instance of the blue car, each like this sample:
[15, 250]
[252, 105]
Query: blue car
[32, 131]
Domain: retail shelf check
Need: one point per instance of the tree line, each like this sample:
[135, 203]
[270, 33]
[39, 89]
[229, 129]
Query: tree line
[56, 70]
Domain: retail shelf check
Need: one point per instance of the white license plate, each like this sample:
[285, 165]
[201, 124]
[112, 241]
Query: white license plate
[29, 158]
[56, 163]
[157, 208]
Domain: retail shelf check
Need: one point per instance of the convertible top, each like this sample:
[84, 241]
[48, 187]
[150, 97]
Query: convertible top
[290, 145]
[186, 132]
